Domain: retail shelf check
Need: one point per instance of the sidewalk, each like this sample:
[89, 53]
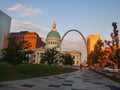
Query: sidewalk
[84, 80]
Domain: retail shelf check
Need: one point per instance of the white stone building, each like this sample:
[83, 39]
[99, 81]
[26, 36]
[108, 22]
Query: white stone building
[53, 40]
[77, 57]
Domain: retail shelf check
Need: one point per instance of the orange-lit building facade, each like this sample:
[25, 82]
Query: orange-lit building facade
[31, 37]
[91, 41]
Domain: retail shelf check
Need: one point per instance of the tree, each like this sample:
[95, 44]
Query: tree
[89, 58]
[68, 59]
[97, 54]
[50, 56]
[16, 53]
[118, 57]
[53, 57]
[114, 44]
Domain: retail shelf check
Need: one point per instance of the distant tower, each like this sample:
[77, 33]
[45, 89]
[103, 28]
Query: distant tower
[53, 38]
[91, 41]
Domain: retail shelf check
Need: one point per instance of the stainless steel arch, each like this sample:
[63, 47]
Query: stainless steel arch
[75, 31]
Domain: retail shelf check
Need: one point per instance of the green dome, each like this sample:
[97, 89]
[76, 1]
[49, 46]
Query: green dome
[53, 34]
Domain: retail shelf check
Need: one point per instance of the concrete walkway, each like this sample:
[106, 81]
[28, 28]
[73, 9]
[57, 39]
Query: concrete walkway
[80, 80]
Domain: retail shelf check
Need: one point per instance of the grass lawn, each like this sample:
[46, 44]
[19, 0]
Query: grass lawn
[23, 71]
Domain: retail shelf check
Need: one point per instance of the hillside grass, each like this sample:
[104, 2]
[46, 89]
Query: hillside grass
[23, 71]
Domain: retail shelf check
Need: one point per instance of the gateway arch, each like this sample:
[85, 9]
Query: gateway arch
[85, 42]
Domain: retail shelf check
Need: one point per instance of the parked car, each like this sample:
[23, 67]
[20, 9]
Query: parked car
[111, 69]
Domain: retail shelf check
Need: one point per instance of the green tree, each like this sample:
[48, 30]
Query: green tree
[50, 56]
[97, 54]
[90, 58]
[114, 44]
[118, 57]
[16, 53]
[68, 59]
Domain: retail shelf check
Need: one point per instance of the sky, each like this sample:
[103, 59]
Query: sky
[86, 16]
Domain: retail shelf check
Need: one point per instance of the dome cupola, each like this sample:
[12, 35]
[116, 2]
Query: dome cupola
[53, 38]
[53, 32]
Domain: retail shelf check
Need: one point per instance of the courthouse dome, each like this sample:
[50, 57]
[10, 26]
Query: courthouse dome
[53, 33]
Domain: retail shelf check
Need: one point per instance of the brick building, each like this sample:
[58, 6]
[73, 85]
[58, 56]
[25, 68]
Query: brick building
[32, 38]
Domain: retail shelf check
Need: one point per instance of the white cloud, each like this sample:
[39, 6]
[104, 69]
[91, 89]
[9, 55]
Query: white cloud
[17, 26]
[24, 11]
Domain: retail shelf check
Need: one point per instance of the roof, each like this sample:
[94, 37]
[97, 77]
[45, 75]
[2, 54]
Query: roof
[74, 52]
[53, 34]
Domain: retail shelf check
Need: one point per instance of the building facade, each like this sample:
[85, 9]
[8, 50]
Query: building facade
[5, 23]
[31, 37]
[77, 57]
[52, 41]
[35, 58]
[53, 38]
[91, 41]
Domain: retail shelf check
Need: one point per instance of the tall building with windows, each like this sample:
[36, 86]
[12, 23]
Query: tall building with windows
[5, 23]
[91, 41]
[53, 38]
[31, 37]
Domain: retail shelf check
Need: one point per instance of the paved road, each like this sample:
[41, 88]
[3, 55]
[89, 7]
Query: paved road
[101, 70]
[80, 80]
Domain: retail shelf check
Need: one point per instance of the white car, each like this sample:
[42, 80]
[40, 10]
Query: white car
[111, 69]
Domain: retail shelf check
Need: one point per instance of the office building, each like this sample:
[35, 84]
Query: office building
[91, 41]
[31, 37]
[5, 23]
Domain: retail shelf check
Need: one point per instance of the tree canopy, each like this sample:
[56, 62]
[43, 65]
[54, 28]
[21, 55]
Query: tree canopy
[54, 57]
[49, 56]
[16, 53]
